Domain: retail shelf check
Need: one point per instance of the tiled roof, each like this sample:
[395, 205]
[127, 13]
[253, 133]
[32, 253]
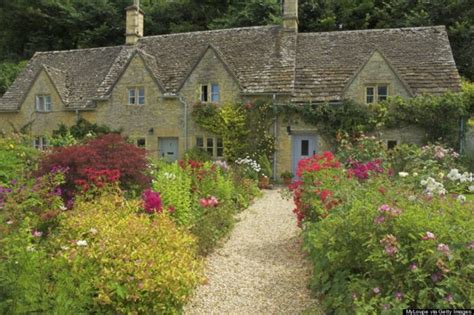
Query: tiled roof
[327, 61]
[266, 59]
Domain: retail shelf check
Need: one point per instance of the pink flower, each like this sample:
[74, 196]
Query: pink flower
[470, 245]
[413, 266]
[443, 248]
[398, 296]
[449, 298]
[384, 208]
[376, 290]
[204, 203]
[152, 201]
[379, 220]
[391, 250]
[436, 277]
[37, 233]
[428, 236]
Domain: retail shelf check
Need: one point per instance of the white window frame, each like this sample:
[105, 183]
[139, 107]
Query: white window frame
[43, 103]
[136, 96]
[376, 96]
[215, 148]
[215, 96]
[41, 143]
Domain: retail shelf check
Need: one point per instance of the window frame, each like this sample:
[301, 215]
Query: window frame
[202, 143]
[41, 143]
[139, 98]
[208, 94]
[46, 106]
[204, 93]
[376, 95]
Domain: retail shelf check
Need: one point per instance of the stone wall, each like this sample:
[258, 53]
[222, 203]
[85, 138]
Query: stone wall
[375, 71]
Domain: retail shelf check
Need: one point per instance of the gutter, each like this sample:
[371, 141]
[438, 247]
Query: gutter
[275, 131]
[186, 106]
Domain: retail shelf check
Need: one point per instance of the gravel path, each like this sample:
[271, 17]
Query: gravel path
[260, 269]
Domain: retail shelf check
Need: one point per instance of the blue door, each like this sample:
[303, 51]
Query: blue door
[304, 146]
[168, 149]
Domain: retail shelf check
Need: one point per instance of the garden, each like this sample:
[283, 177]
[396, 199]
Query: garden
[387, 230]
[93, 226]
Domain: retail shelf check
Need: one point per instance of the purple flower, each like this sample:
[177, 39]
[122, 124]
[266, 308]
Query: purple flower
[436, 277]
[449, 298]
[413, 266]
[391, 250]
[379, 220]
[428, 236]
[398, 296]
[37, 233]
[470, 245]
[376, 290]
[443, 248]
[386, 306]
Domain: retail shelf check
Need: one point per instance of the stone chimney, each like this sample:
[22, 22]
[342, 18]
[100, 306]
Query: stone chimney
[134, 28]
[290, 15]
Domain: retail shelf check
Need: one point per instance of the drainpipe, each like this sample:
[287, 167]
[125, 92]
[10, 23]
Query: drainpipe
[275, 131]
[77, 116]
[461, 136]
[183, 101]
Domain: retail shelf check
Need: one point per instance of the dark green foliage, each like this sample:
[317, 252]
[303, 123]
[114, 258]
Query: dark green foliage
[82, 129]
[8, 73]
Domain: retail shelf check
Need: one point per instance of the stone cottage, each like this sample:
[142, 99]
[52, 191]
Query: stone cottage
[148, 86]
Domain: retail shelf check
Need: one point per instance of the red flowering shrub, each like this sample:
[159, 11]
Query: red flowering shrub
[106, 159]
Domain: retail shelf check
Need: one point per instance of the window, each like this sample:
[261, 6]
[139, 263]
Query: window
[141, 142]
[370, 95]
[41, 143]
[204, 94]
[377, 93]
[43, 103]
[304, 148]
[215, 93]
[210, 93]
[213, 146]
[220, 148]
[200, 143]
[391, 144]
[136, 96]
[210, 146]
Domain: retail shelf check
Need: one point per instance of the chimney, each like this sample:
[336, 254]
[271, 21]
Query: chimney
[290, 15]
[134, 27]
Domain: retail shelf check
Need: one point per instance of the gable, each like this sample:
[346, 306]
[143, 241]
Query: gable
[211, 69]
[42, 85]
[136, 73]
[376, 70]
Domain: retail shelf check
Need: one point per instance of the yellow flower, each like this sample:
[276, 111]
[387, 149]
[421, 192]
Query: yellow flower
[12, 146]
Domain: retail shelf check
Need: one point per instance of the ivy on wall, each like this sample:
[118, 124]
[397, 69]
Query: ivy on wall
[245, 128]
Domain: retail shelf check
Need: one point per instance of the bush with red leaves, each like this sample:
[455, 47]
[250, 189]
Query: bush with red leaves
[107, 153]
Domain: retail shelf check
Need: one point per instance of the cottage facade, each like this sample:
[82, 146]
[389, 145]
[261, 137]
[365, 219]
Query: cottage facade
[147, 87]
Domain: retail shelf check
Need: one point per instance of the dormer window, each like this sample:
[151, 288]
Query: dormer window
[136, 96]
[43, 103]
[376, 93]
[210, 93]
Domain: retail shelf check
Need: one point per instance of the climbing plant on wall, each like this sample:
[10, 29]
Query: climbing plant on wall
[245, 128]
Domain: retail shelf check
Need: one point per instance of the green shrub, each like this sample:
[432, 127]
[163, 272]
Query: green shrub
[145, 264]
[378, 245]
[18, 158]
[197, 154]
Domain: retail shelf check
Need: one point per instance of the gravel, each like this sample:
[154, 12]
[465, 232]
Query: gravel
[261, 268]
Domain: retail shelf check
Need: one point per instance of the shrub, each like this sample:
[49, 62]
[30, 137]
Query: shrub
[145, 264]
[110, 152]
[379, 246]
[18, 158]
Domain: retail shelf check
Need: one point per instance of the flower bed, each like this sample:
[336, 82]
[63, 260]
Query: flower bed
[382, 242]
[97, 233]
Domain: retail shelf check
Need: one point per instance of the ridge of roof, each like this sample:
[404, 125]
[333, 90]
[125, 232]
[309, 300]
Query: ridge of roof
[246, 28]
[374, 30]
[79, 50]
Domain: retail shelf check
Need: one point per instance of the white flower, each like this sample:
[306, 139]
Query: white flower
[11, 221]
[403, 174]
[81, 243]
[454, 174]
[30, 248]
[471, 188]
[412, 198]
[423, 182]
[64, 247]
[415, 174]
[441, 175]
[169, 176]
[461, 198]
[93, 231]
